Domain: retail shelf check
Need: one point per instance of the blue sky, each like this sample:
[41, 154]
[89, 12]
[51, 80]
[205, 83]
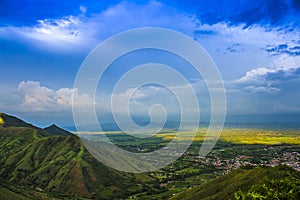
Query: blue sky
[255, 44]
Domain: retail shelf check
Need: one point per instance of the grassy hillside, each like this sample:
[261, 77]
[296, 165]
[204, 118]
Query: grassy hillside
[36, 165]
[224, 187]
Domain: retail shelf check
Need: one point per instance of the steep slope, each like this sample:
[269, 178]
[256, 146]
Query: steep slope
[55, 130]
[35, 165]
[11, 121]
[241, 179]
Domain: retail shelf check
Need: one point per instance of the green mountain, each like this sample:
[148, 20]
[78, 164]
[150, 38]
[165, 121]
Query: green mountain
[55, 130]
[240, 184]
[38, 164]
[11, 121]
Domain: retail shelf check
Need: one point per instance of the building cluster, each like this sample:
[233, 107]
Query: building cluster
[275, 158]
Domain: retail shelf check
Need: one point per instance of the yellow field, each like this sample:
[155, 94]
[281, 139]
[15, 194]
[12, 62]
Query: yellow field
[244, 136]
[252, 136]
[200, 135]
[238, 136]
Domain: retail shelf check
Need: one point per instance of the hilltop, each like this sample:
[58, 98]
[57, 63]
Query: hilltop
[11, 121]
[55, 130]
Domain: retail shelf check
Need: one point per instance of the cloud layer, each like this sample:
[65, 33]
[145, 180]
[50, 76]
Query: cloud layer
[37, 98]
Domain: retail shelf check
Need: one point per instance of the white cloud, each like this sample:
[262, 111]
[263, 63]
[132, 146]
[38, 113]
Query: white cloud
[140, 100]
[35, 97]
[128, 15]
[286, 62]
[53, 31]
[237, 50]
[257, 35]
[82, 31]
[262, 89]
[254, 74]
[281, 63]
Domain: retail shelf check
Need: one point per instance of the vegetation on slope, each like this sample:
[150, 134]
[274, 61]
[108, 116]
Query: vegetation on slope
[272, 189]
[238, 182]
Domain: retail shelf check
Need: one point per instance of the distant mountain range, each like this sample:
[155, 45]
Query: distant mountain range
[173, 125]
[255, 121]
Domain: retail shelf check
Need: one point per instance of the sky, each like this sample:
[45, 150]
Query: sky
[255, 45]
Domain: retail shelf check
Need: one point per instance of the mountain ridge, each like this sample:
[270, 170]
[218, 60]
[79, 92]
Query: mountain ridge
[12, 121]
[55, 130]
